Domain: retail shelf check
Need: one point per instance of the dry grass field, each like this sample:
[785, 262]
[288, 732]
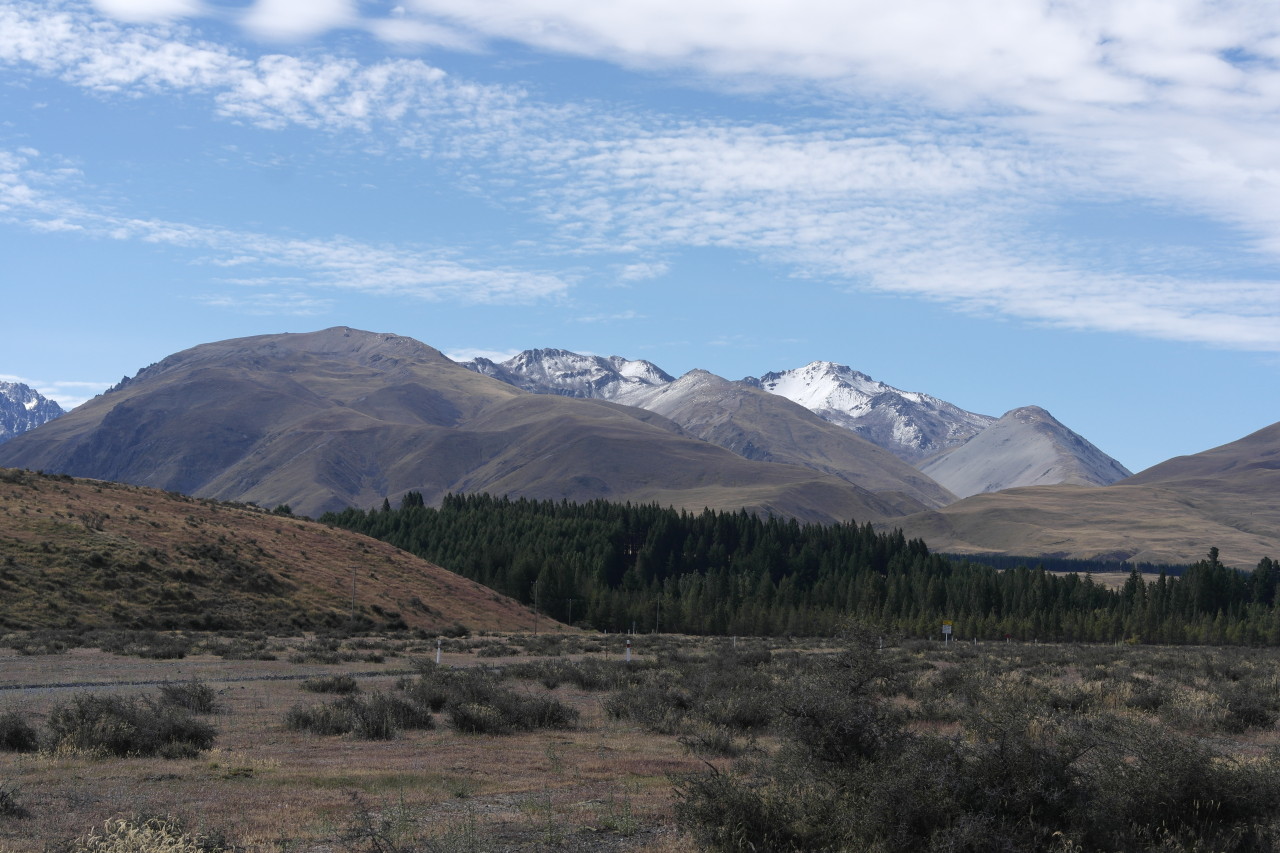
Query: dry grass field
[619, 776]
[601, 785]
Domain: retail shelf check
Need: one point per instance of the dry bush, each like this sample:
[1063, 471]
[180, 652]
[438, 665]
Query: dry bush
[377, 716]
[125, 726]
[342, 684]
[16, 734]
[194, 695]
[152, 835]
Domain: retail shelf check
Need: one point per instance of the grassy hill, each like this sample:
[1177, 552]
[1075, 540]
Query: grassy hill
[87, 554]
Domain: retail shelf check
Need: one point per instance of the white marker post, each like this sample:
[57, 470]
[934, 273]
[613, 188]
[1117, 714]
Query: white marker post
[628, 650]
[438, 643]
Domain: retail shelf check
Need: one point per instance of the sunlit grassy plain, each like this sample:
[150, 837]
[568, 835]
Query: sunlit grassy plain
[607, 783]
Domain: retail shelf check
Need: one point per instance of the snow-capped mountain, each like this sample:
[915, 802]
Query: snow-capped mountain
[1025, 447]
[23, 408]
[737, 416]
[964, 452]
[911, 425]
[557, 371]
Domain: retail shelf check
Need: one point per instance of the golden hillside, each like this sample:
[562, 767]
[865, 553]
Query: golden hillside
[87, 553]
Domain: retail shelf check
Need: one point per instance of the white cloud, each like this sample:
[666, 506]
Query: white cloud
[331, 263]
[465, 354]
[148, 10]
[643, 271]
[1167, 102]
[613, 318]
[67, 393]
[263, 304]
[297, 19]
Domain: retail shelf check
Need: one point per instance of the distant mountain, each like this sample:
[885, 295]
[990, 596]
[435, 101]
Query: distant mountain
[557, 371]
[1030, 448]
[1026, 447]
[23, 408]
[1170, 513]
[343, 417]
[911, 425]
[737, 416]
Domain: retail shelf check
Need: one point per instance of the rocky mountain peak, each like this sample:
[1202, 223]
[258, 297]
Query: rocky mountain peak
[570, 374]
[911, 425]
[23, 408]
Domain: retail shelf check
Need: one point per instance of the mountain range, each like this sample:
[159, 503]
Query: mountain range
[22, 408]
[343, 417]
[963, 452]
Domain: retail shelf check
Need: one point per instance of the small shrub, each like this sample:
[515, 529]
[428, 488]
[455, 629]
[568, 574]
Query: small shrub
[154, 835]
[710, 740]
[16, 734]
[341, 684]
[375, 717]
[194, 695]
[332, 719]
[1249, 709]
[477, 703]
[9, 805]
[120, 726]
[474, 718]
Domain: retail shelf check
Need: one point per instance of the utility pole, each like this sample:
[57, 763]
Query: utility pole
[571, 612]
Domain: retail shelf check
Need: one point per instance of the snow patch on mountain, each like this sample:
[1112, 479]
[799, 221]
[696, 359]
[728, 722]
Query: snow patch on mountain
[912, 425]
[557, 371]
[23, 408]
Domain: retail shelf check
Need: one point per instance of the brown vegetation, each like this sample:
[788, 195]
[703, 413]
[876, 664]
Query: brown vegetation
[78, 554]
[913, 747]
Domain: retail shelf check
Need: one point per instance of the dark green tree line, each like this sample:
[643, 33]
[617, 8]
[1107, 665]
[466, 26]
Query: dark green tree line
[617, 566]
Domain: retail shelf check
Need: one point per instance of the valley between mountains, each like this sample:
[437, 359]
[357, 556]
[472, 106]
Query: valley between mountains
[341, 417]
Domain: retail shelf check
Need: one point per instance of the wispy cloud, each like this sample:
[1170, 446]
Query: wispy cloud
[465, 354]
[67, 393]
[273, 304]
[1019, 109]
[331, 263]
[643, 271]
[620, 316]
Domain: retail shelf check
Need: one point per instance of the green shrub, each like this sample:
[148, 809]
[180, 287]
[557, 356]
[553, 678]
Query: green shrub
[125, 726]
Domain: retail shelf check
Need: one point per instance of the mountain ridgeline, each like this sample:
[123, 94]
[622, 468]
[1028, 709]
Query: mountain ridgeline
[620, 567]
[851, 422]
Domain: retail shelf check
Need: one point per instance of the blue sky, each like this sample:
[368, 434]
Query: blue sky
[1073, 204]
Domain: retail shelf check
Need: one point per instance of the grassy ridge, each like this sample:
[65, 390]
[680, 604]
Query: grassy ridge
[89, 554]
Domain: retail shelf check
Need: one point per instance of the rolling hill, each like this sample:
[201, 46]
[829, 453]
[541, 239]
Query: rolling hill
[88, 554]
[1170, 513]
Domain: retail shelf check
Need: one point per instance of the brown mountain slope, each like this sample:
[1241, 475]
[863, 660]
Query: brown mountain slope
[341, 417]
[84, 553]
[1171, 513]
